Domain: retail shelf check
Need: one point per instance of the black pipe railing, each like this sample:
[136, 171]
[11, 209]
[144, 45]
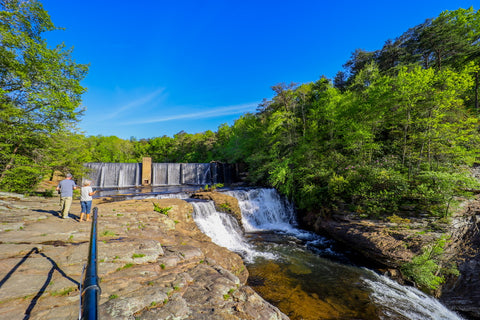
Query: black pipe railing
[90, 293]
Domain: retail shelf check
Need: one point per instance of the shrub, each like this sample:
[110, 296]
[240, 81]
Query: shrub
[425, 269]
[21, 179]
[162, 210]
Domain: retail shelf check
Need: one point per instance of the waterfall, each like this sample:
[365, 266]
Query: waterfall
[166, 174]
[265, 209]
[190, 174]
[406, 302]
[224, 230]
[179, 195]
[113, 175]
[196, 173]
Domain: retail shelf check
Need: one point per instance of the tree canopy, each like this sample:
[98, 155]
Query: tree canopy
[40, 92]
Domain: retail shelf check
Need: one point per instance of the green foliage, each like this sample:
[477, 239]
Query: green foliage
[390, 140]
[21, 178]
[399, 220]
[225, 206]
[63, 292]
[40, 93]
[213, 187]
[425, 269]
[126, 266]
[112, 149]
[108, 233]
[162, 210]
[49, 193]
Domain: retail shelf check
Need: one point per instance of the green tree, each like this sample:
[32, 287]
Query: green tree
[40, 92]
[160, 149]
[67, 152]
[111, 149]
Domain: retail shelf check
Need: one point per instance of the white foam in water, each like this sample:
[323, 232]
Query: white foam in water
[264, 209]
[181, 195]
[396, 300]
[224, 230]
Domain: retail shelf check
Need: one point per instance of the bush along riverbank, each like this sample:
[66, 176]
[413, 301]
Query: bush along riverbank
[439, 256]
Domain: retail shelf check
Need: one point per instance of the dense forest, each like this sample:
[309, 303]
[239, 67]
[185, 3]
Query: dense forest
[397, 128]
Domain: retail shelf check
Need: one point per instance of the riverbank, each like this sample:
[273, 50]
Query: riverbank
[151, 265]
[390, 243]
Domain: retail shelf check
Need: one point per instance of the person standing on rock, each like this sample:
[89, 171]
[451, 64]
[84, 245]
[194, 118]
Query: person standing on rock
[86, 200]
[66, 188]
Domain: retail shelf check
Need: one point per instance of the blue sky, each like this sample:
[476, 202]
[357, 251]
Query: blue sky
[158, 67]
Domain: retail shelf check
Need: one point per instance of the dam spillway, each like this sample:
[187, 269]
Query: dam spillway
[124, 175]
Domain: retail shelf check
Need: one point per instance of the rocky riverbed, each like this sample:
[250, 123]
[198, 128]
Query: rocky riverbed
[151, 265]
[389, 243]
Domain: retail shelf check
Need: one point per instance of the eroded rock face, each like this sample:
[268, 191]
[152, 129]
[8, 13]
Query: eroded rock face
[387, 244]
[151, 265]
[462, 293]
[223, 203]
[390, 245]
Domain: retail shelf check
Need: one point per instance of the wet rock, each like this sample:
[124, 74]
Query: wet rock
[374, 240]
[389, 245]
[223, 203]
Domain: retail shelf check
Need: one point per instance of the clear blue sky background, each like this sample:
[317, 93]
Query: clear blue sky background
[158, 67]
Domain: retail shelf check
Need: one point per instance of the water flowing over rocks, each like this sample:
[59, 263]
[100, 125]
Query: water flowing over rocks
[388, 245]
[223, 203]
[151, 265]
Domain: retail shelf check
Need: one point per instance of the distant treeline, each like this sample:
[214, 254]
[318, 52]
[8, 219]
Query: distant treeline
[397, 129]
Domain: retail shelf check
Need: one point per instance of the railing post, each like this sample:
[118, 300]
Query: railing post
[91, 291]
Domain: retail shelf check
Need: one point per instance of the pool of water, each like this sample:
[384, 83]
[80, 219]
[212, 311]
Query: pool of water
[313, 282]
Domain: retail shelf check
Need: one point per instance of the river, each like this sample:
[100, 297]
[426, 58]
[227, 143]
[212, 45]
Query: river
[302, 273]
[305, 275]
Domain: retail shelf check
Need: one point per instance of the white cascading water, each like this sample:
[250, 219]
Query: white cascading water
[264, 209]
[397, 300]
[224, 230]
[170, 174]
[179, 195]
[119, 175]
[114, 175]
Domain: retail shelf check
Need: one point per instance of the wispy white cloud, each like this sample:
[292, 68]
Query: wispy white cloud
[143, 100]
[207, 113]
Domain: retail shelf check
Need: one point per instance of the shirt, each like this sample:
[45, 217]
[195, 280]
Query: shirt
[85, 194]
[66, 187]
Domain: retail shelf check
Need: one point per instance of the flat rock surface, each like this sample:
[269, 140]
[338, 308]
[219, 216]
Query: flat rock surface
[151, 265]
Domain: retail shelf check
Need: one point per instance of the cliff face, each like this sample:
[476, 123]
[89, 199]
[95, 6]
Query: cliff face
[152, 265]
[389, 244]
[462, 293]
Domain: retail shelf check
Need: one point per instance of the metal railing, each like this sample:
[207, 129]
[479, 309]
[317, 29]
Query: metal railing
[90, 291]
